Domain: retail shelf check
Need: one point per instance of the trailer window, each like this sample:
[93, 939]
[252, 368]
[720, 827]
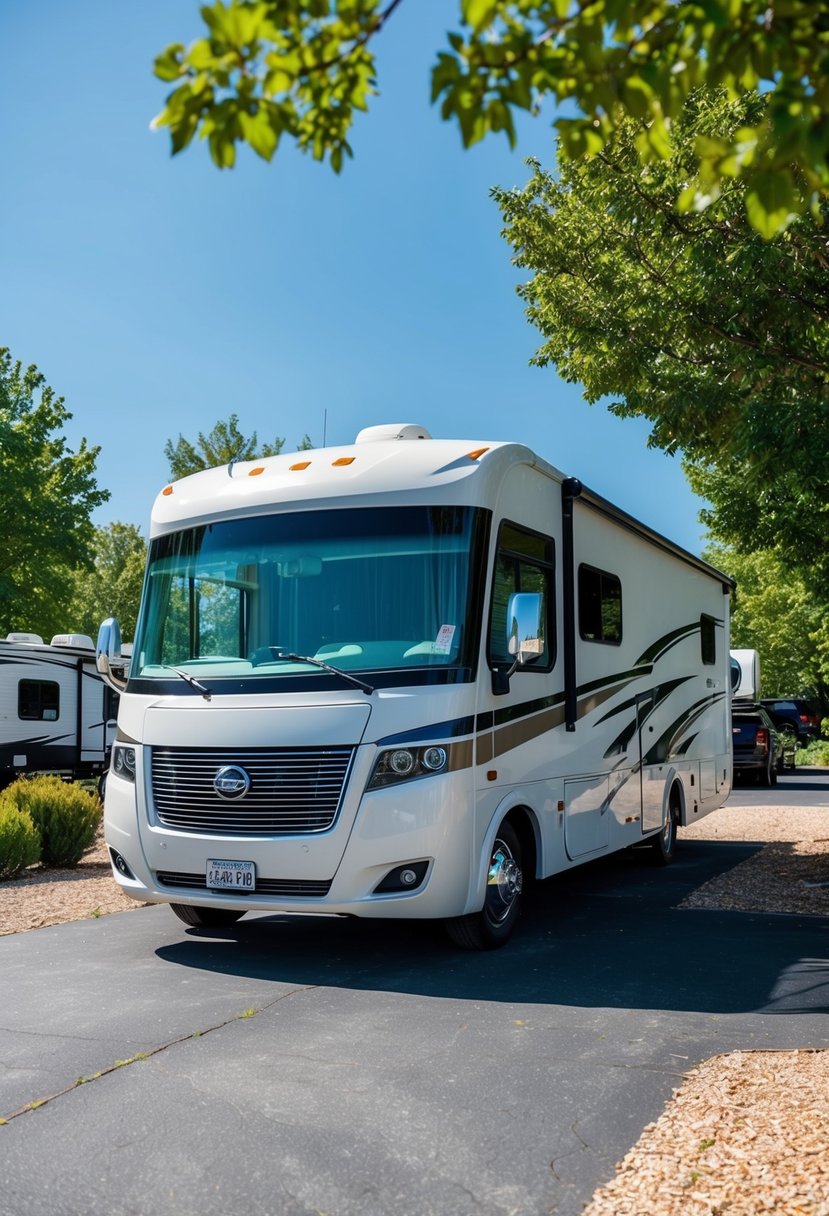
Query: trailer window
[523, 562]
[600, 606]
[38, 700]
[708, 639]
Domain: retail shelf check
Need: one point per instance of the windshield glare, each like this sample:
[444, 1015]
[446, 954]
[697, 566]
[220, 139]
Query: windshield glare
[362, 589]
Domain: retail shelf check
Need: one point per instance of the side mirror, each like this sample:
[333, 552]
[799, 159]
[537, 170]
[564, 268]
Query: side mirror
[108, 657]
[525, 640]
[524, 635]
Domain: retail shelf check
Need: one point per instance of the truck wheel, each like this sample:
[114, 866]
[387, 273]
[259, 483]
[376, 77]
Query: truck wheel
[206, 917]
[493, 925]
[767, 777]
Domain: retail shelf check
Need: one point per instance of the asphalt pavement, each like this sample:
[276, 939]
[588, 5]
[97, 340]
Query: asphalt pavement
[293, 1066]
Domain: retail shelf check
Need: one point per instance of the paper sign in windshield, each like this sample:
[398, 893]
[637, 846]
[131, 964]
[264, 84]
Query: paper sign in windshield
[443, 642]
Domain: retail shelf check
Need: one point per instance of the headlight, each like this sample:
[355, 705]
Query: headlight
[407, 763]
[122, 762]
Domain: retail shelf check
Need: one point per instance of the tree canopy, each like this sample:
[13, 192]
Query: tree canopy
[775, 614]
[224, 444]
[261, 70]
[113, 586]
[47, 495]
[716, 336]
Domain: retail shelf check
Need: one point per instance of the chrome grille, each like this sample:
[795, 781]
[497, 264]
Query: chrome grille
[292, 790]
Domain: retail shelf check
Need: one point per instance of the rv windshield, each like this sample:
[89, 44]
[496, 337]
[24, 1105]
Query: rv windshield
[362, 589]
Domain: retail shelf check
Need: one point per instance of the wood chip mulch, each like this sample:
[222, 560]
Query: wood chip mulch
[781, 877]
[747, 1133]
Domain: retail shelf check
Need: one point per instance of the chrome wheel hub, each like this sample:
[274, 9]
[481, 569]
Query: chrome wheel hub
[504, 882]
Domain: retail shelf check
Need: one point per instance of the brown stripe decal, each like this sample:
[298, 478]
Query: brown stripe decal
[514, 734]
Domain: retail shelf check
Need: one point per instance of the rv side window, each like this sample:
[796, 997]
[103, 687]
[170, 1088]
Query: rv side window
[708, 639]
[523, 562]
[600, 606]
[111, 700]
[38, 700]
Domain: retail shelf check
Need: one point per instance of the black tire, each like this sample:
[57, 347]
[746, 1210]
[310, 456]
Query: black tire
[493, 926]
[206, 917]
[663, 844]
[767, 777]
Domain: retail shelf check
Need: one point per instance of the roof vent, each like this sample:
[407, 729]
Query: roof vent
[28, 639]
[78, 640]
[389, 431]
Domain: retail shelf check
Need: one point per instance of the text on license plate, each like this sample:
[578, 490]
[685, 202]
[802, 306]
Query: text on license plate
[231, 875]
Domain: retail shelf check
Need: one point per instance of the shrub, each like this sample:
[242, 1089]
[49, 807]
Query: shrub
[816, 753]
[19, 840]
[66, 816]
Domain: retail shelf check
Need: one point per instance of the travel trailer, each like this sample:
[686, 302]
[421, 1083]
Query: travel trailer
[56, 713]
[403, 677]
[745, 675]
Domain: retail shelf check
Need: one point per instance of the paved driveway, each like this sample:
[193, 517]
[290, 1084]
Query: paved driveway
[294, 1065]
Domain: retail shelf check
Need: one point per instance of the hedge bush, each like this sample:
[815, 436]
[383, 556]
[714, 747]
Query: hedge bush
[66, 816]
[19, 840]
[816, 753]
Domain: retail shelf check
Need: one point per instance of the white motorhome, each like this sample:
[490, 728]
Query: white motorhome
[56, 713]
[745, 675]
[401, 677]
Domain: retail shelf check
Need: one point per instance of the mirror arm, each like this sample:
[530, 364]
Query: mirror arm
[501, 678]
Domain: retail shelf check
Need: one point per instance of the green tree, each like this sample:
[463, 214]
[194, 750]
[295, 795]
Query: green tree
[776, 615]
[716, 336]
[225, 443]
[264, 69]
[113, 586]
[47, 495]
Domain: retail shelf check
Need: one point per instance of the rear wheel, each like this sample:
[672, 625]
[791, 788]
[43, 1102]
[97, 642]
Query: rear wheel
[767, 777]
[663, 844]
[493, 925]
[206, 917]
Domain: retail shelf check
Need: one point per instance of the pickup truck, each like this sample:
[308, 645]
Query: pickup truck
[761, 749]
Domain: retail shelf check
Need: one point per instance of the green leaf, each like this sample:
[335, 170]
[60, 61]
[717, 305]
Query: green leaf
[637, 95]
[478, 13]
[771, 202]
[258, 131]
[167, 65]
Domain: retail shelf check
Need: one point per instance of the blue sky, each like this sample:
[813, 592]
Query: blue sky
[158, 295]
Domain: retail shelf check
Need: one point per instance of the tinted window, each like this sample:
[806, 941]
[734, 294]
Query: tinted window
[600, 606]
[523, 563]
[38, 700]
[708, 639]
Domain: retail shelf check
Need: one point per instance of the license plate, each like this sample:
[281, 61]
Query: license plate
[230, 875]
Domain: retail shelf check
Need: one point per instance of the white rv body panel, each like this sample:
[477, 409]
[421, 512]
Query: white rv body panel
[588, 754]
[745, 675]
[56, 713]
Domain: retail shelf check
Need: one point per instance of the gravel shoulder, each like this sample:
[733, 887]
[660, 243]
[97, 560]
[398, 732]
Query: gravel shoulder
[745, 1133]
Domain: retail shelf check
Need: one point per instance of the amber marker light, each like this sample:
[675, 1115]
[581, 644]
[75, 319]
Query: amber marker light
[167, 491]
[343, 460]
[260, 468]
[477, 454]
[492, 775]
[299, 466]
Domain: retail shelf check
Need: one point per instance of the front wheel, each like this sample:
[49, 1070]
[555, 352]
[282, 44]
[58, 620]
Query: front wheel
[493, 925]
[206, 917]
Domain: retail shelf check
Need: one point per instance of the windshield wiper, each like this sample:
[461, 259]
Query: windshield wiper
[344, 675]
[191, 680]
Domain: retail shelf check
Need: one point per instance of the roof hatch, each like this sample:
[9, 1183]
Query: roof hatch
[390, 431]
